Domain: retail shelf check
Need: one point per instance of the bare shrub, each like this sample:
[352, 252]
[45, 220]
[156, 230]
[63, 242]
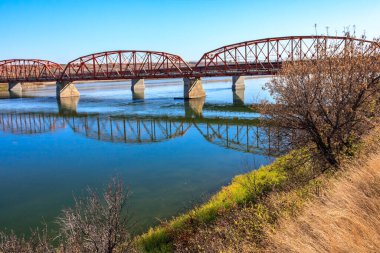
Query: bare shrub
[329, 102]
[96, 223]
[37, 242]
[10, 243]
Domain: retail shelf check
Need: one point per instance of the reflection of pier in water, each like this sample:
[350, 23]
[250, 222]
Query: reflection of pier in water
[239, 134]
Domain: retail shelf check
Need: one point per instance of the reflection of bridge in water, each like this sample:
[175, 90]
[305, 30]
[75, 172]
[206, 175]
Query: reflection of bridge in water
[128, 130]
[30, 123]
[245, 135]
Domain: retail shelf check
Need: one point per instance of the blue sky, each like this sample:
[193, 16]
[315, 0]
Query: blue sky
[62, 30]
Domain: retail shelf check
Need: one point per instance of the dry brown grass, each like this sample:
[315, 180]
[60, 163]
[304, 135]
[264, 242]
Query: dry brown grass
[345, 219]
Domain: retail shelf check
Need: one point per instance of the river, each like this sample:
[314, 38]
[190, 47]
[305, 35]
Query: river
[171, 154]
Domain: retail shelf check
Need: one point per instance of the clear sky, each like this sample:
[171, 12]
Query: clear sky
[62, 30]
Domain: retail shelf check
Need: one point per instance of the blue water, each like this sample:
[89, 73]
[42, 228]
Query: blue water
[171, 154]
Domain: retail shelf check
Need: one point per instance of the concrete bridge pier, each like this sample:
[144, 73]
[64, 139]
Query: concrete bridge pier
[138, 94]
[14, 86]
[193, 88]
[66, 90]
[137, 85]
[138, 89]
[238, 83]
[15, 93]
[238, 97]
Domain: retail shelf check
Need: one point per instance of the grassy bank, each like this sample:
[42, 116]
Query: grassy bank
[248, 188]
[242, 216]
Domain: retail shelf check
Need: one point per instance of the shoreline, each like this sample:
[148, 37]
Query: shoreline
[278, 195]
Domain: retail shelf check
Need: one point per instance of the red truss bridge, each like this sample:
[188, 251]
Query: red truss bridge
[249, 58]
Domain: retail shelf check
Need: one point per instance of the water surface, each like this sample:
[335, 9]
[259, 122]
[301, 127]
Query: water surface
[170, 153]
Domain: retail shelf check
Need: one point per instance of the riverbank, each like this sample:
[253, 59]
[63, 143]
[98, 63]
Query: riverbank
[344, 218]
[253, 212]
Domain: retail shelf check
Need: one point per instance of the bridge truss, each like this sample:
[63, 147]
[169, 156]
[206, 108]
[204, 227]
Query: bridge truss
[255, 57]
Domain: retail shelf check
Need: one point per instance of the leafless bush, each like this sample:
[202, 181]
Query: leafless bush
[329, 102]
[37, 242]
[10, 243]
[96, 223]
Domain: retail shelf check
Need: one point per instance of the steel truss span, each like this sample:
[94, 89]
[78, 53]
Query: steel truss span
[256, 57]
[265, 56]
[114, 65]
[29, 70]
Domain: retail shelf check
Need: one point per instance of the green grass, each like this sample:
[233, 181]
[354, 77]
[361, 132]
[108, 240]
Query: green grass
[244, 188]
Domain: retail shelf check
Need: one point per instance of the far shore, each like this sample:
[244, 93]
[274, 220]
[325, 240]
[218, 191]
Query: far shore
[168, 82]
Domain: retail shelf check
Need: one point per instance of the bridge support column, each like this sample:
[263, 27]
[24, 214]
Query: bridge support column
[193, 88]
[14, 86]
[66, 90]
[138, 94]
[138, 89]
[15, 93]
[238, 83]
[137, 85]
[238, 97]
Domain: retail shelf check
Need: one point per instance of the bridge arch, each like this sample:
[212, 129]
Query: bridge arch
[126, 64]
[29, 70]
[265, 56]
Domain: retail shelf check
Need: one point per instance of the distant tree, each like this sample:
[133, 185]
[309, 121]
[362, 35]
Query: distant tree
[96, 223]
[328, 102]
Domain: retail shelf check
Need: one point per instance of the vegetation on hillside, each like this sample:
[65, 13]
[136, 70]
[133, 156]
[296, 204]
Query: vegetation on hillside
[344, 218]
